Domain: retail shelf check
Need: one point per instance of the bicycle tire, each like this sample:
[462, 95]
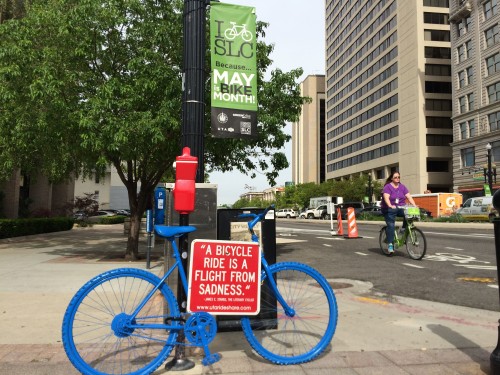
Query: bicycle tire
[416, 244]
[293, 340]
[89, 340]
[382, 241]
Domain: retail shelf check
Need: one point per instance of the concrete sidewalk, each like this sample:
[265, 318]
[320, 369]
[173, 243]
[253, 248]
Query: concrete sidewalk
[376, 334]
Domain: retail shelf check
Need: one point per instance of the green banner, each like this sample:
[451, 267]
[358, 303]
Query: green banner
[233, 44]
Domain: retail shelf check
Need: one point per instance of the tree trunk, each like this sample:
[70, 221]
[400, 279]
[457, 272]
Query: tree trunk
[132, 252]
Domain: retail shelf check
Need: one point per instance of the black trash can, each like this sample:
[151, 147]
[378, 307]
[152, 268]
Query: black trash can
[230, 227]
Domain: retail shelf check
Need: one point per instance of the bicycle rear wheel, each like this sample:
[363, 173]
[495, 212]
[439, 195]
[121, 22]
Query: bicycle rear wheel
[382, 241]
[416, 244]
[95, 338]
[300, 338]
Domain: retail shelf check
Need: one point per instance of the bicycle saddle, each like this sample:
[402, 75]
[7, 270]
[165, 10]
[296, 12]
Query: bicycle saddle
[173, 231]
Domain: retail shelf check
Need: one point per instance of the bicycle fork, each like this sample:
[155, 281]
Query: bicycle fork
[289, 311]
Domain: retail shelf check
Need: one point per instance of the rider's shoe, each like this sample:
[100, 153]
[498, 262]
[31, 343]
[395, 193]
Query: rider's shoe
[390, 249]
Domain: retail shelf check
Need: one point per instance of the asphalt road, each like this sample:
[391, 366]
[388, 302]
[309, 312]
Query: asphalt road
[459, 268]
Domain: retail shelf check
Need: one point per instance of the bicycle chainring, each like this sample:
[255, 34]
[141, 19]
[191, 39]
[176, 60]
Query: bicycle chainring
[200, 329]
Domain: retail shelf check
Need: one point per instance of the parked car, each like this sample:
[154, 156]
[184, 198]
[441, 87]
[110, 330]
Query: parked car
[80, 215]
[287, 213]
[358, 206]
[371, 210]
[123, 212]
[425, 214]
[99, 214]
[315, 213]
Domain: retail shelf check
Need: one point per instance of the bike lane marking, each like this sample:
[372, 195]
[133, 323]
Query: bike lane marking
[453, 248]
[411, 265]
[359, 253]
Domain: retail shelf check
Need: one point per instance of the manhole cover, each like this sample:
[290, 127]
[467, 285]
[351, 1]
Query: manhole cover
[336, 285]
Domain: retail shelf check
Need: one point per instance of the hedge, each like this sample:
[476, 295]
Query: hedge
[24, 227]
[119, 219]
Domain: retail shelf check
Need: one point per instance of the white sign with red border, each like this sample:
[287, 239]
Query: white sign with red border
[224, 277]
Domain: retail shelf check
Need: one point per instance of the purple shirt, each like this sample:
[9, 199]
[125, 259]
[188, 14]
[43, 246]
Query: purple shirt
[397, 196]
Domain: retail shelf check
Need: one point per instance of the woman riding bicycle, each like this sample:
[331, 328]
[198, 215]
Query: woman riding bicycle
[394, 197]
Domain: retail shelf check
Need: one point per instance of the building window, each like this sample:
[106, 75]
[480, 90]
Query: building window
[495, 151]
[494, 121]
[438, 139]
[491, 35]
[436, 18]
[438, 105]
[461, 79]
[437, 70]
[468, 159]
[433, 122]
[468, 48]
[438, 87]
[470, 101]
[437, 53]
[494, 92]
[493, 63]
[461, 53]
[437, 35]
[380, 174]
[469, 72]
[437, 3]
[463, 130]
[461, 29]
[437, 165]
[461, 104]
[490, 8]
[472, 128]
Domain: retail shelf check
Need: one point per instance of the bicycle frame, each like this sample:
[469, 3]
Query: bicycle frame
[178, 264]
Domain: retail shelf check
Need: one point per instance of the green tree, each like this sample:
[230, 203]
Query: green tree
[89, 83]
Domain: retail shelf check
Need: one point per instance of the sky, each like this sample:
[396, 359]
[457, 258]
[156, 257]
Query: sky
[296, 28]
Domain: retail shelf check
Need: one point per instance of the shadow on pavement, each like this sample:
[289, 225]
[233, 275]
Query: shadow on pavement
[466, 346]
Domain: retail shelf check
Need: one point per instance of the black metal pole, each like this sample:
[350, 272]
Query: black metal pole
[490, 173]
[193, 115]
[495, 355]
[193, 104]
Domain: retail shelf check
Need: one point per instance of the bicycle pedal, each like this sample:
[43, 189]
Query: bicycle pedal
[210, 359]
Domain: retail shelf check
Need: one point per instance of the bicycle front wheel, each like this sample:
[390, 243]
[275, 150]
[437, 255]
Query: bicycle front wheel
[95, 334]
[416, 244]
[300, 338]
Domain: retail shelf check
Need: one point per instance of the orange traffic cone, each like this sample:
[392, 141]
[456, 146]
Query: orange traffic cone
[340, 228]
[352, 228]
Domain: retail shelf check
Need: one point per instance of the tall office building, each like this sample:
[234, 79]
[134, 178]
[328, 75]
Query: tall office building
[475, 37]
[308, 134]
[388, 98]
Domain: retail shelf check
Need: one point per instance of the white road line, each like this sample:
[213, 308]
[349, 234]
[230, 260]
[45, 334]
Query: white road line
[453, 248]
[357, 252]
[330, 238]
[476, 267]
[493, 286]
[412, 265]
[327, 245]
[461, 235]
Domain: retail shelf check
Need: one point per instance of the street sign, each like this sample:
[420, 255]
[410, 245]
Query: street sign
[224, 277]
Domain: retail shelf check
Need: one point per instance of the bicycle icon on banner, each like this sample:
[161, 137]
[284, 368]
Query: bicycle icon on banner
[238, 30]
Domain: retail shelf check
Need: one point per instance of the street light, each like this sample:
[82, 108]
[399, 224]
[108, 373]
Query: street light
[489, 171]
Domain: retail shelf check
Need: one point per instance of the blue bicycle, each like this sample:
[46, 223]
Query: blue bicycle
[126, 321]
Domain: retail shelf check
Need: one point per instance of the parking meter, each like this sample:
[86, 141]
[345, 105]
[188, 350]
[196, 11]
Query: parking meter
[159, 208]
[185, 179]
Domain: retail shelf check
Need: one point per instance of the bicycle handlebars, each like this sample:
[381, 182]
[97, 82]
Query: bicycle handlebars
[256, 217]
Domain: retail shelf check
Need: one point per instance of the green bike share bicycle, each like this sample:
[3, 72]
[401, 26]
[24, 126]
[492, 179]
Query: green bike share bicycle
[413, 238]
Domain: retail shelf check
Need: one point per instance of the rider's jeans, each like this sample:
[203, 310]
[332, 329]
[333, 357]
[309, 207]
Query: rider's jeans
[390, 220]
